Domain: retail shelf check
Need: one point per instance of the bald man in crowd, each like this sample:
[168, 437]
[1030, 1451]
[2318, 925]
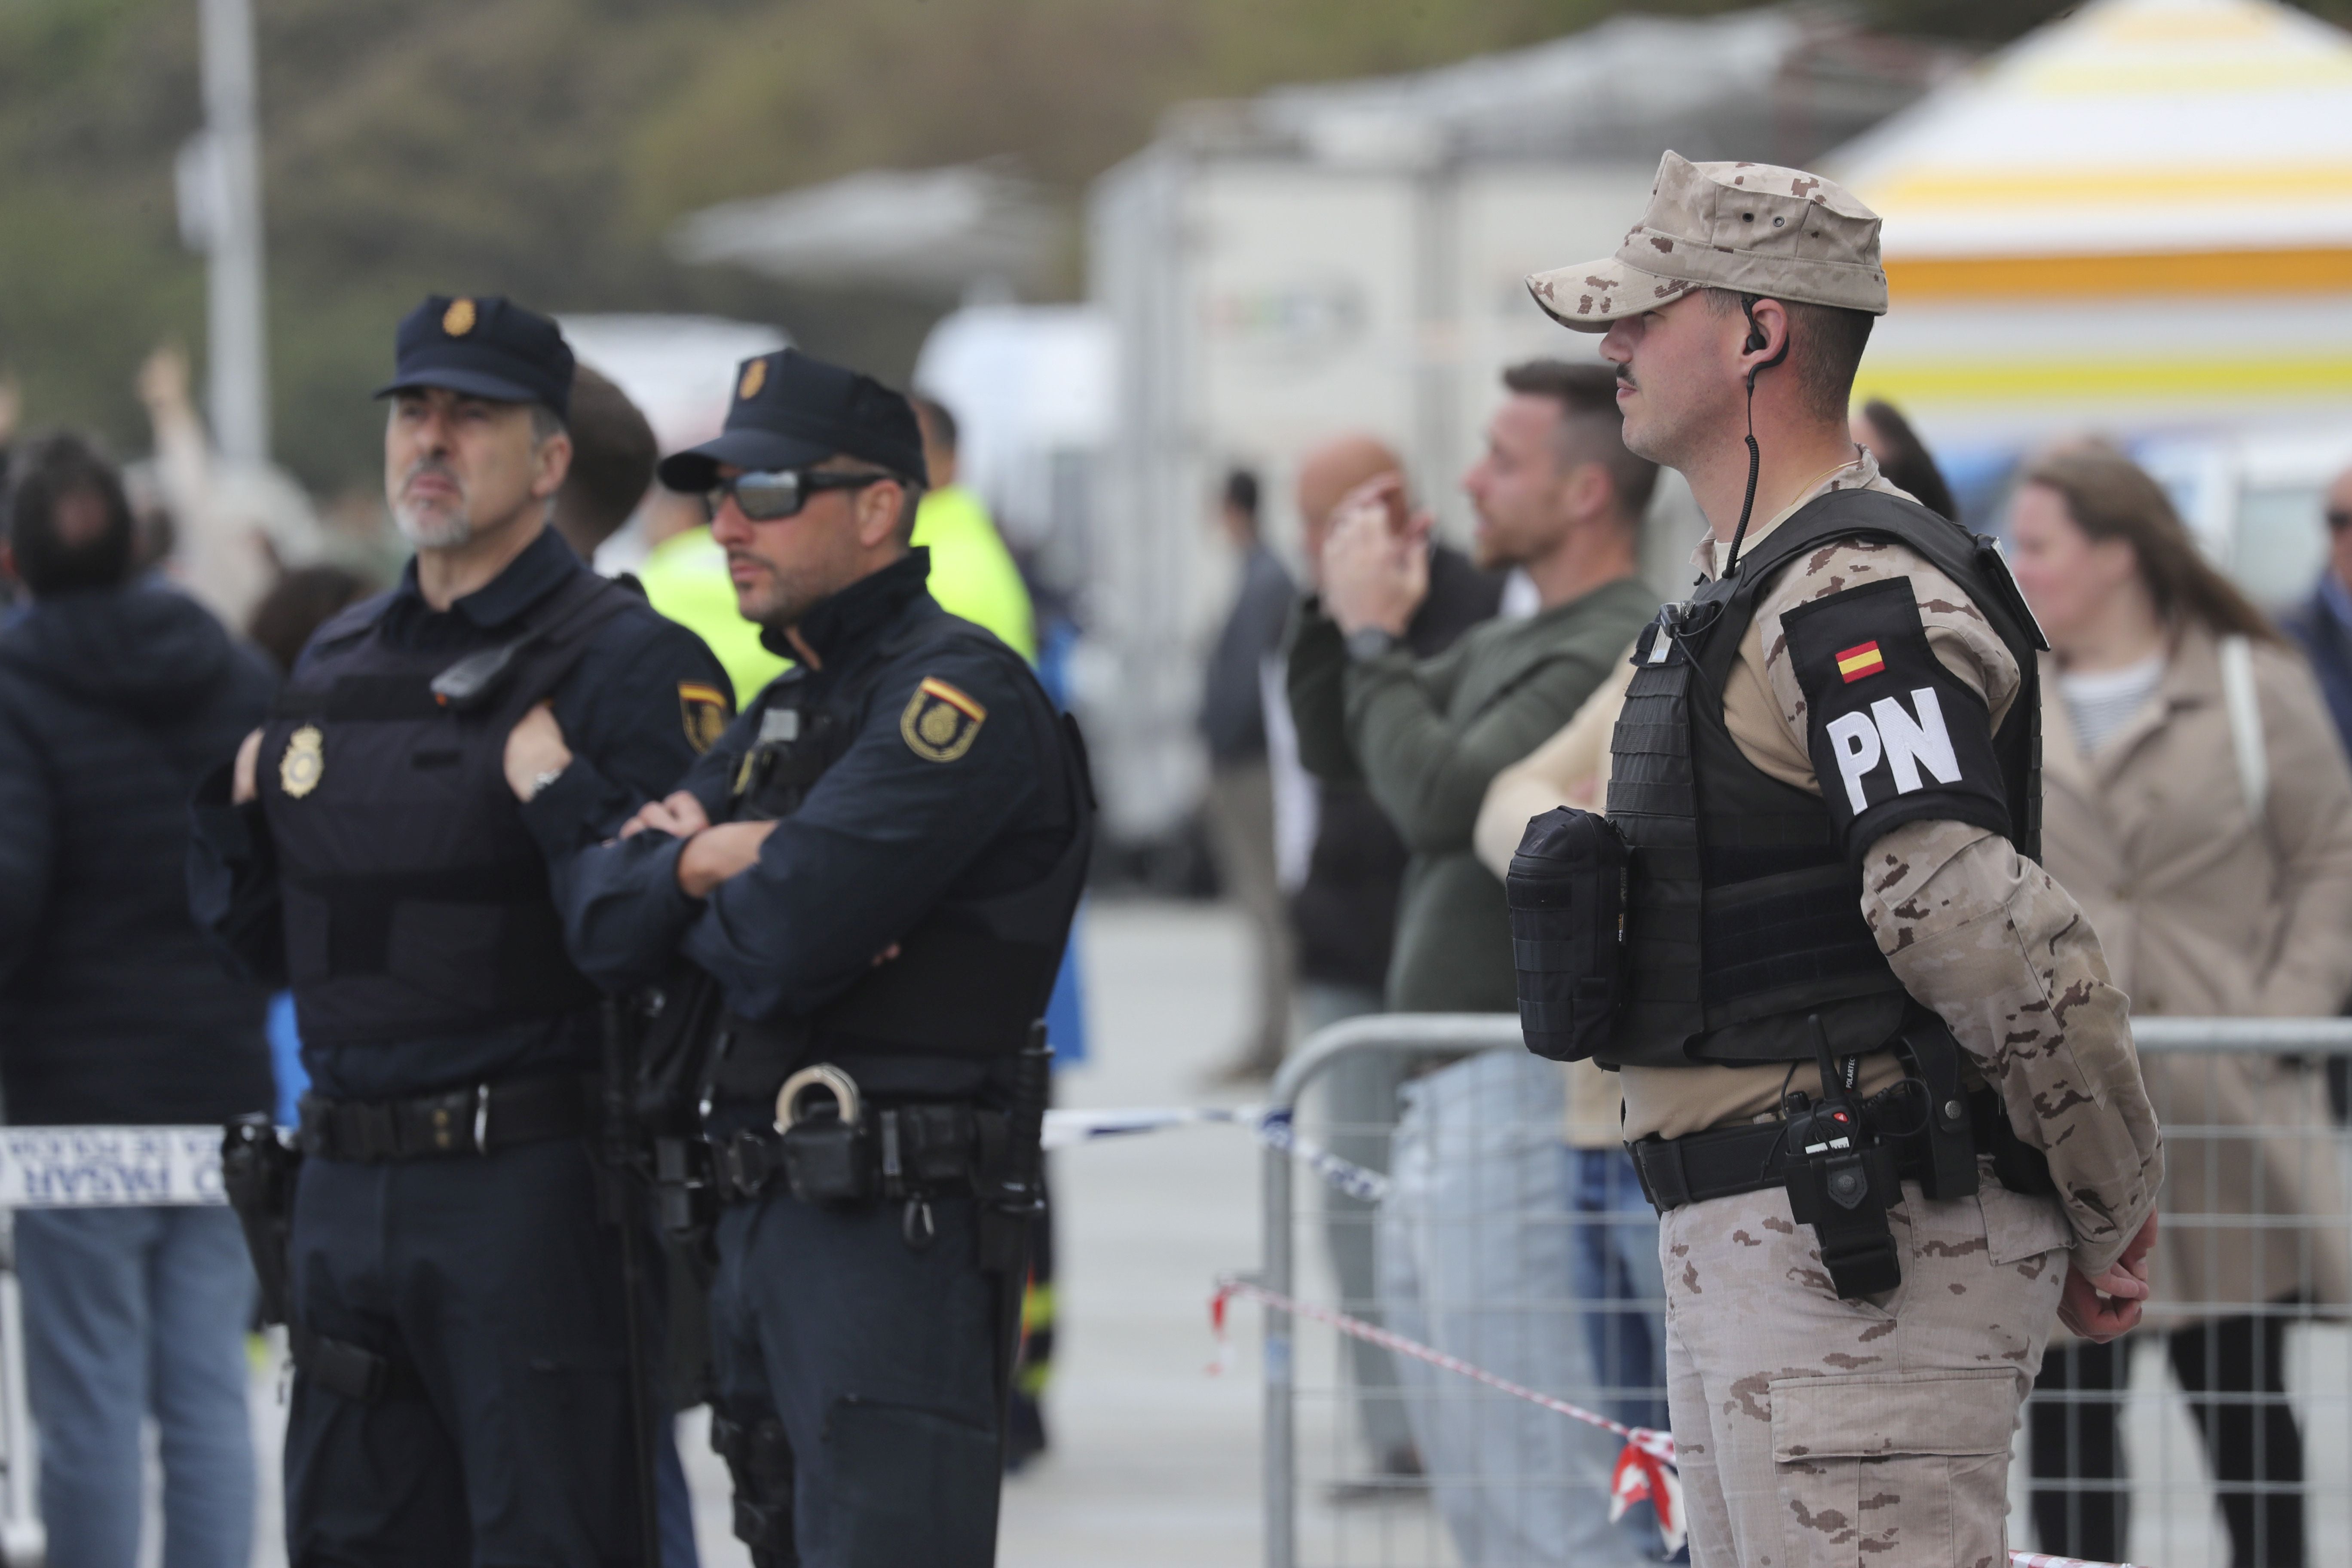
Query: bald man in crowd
[1345, 918]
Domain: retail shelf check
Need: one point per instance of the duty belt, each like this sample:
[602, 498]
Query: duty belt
[913, 1150]
[480, 1120]
[1730, 1161]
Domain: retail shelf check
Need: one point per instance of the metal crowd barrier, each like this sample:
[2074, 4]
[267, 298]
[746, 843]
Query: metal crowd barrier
[2256, 1191]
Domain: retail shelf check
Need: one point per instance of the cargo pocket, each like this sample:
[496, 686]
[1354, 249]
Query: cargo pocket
[1915, 1467]
[908, 1486]
[2018, 1225]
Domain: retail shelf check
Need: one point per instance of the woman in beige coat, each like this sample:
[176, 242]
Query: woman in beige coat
[2197, 805]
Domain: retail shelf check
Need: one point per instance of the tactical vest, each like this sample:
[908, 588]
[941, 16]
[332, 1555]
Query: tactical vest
[970, 981]
[415, 901]
[1743, 909]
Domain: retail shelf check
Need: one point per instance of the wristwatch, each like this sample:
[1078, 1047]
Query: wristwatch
[1366, 643]
[539, 781]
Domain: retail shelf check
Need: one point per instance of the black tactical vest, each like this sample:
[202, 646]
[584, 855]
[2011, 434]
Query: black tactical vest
[1743, 912]
[972, 980]
[415, 901]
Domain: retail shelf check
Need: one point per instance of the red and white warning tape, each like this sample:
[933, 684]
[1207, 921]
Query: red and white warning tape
[1646, 1470]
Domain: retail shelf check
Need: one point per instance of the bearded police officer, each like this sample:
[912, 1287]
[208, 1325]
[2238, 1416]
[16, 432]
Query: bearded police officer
[876, 865]
[457, 1313]
[1875, 1079]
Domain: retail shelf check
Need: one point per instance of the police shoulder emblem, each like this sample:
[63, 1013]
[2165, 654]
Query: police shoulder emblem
[941, 723]
[703, 708]
[304, 764]
[459, 319]
[755, 376]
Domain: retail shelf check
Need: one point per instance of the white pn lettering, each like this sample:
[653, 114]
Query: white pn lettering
[1904, 743]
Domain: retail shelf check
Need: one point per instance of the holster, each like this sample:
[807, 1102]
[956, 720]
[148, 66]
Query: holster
[258, 1170]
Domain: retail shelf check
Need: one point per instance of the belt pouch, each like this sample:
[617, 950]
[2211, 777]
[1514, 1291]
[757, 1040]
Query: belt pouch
[828, 1161]
[1567, 893]
[1844, 1198]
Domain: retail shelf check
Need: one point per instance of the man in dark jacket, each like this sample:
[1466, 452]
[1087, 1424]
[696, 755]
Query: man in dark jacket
[1241, 780]
[115, 696]
[1344, 916]
[2323, 622]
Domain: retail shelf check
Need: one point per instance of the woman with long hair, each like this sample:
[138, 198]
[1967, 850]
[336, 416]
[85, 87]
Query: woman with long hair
[2197, 807]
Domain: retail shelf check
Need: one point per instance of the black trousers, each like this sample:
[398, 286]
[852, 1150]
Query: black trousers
[879, 1359]
[2234, 1370]
[493, 1278]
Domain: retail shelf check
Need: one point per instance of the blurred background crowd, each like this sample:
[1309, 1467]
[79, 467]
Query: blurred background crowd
[1173, 278]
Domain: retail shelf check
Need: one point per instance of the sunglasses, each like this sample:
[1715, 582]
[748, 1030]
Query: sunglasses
[2338, 521]
[767, 496]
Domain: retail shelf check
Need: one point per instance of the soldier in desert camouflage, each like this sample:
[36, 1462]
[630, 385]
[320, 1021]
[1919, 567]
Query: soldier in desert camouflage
[1826, 769]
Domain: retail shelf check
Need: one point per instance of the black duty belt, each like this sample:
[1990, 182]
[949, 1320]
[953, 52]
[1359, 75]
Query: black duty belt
[1729, 1160]
[482, 1120]
[897, 1152]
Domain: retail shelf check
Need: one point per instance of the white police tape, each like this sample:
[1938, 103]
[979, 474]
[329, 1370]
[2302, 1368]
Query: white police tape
[110, 1167]
[102, 1167]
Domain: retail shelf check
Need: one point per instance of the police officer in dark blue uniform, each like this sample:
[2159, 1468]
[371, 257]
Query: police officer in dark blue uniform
[876, 865]
[458, 1316]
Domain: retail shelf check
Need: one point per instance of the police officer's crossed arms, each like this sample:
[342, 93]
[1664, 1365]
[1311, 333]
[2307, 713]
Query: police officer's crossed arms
[451, 1262]
[1875, 1079]
[876, 865]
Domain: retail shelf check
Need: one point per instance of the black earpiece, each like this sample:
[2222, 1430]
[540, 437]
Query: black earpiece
[1755, 340]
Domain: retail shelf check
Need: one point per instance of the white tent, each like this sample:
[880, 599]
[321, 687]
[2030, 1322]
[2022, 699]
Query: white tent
[2137, 219]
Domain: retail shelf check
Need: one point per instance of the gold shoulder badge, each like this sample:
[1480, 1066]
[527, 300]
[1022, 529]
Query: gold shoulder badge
[304, 764]
[941, 723]
[755, 376]
[704, 710]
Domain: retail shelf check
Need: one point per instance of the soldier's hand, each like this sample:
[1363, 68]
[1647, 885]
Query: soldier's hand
[680, 816]
[715, 854]
[535, 746]
[242, 786]
[2102, 1306]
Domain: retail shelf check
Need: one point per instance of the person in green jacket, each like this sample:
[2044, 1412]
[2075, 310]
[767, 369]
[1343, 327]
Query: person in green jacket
[1557, 495]
[972, 573]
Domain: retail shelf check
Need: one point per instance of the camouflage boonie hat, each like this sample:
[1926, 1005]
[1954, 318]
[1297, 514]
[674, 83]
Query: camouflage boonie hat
[1753, 227]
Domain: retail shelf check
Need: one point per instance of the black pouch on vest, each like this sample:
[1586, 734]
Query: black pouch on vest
[1567, 893]
[828, 1161]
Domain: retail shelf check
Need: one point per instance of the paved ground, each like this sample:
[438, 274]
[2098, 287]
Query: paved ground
[1155, 1463]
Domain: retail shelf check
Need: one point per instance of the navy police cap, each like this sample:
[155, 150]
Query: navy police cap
[789, 411]
[485, 346]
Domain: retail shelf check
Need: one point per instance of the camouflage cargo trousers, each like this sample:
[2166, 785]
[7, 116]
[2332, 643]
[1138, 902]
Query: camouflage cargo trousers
[1813, 1431]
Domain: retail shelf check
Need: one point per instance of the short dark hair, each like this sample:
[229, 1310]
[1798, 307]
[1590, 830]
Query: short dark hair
[44, 474]
[1592, 428]
[1825, 344]
[612, 457]
[939, 425]
[1240, 492]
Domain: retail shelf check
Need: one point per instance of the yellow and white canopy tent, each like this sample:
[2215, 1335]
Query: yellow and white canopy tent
[2137, 219]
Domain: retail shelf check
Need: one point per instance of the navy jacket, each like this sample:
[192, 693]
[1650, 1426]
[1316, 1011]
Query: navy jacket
[2327, 642]
[631, 731]
[112, 703]
[883, 837]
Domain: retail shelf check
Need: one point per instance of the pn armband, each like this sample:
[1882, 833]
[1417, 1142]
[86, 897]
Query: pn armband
[1895, 736]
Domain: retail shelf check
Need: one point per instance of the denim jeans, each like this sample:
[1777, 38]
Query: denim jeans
[130, 1312]
[1620, 1283]
[1474, 1260]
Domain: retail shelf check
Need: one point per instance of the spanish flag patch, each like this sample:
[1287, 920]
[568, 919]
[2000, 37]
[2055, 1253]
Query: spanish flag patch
[1863, 659]
[941, 723]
